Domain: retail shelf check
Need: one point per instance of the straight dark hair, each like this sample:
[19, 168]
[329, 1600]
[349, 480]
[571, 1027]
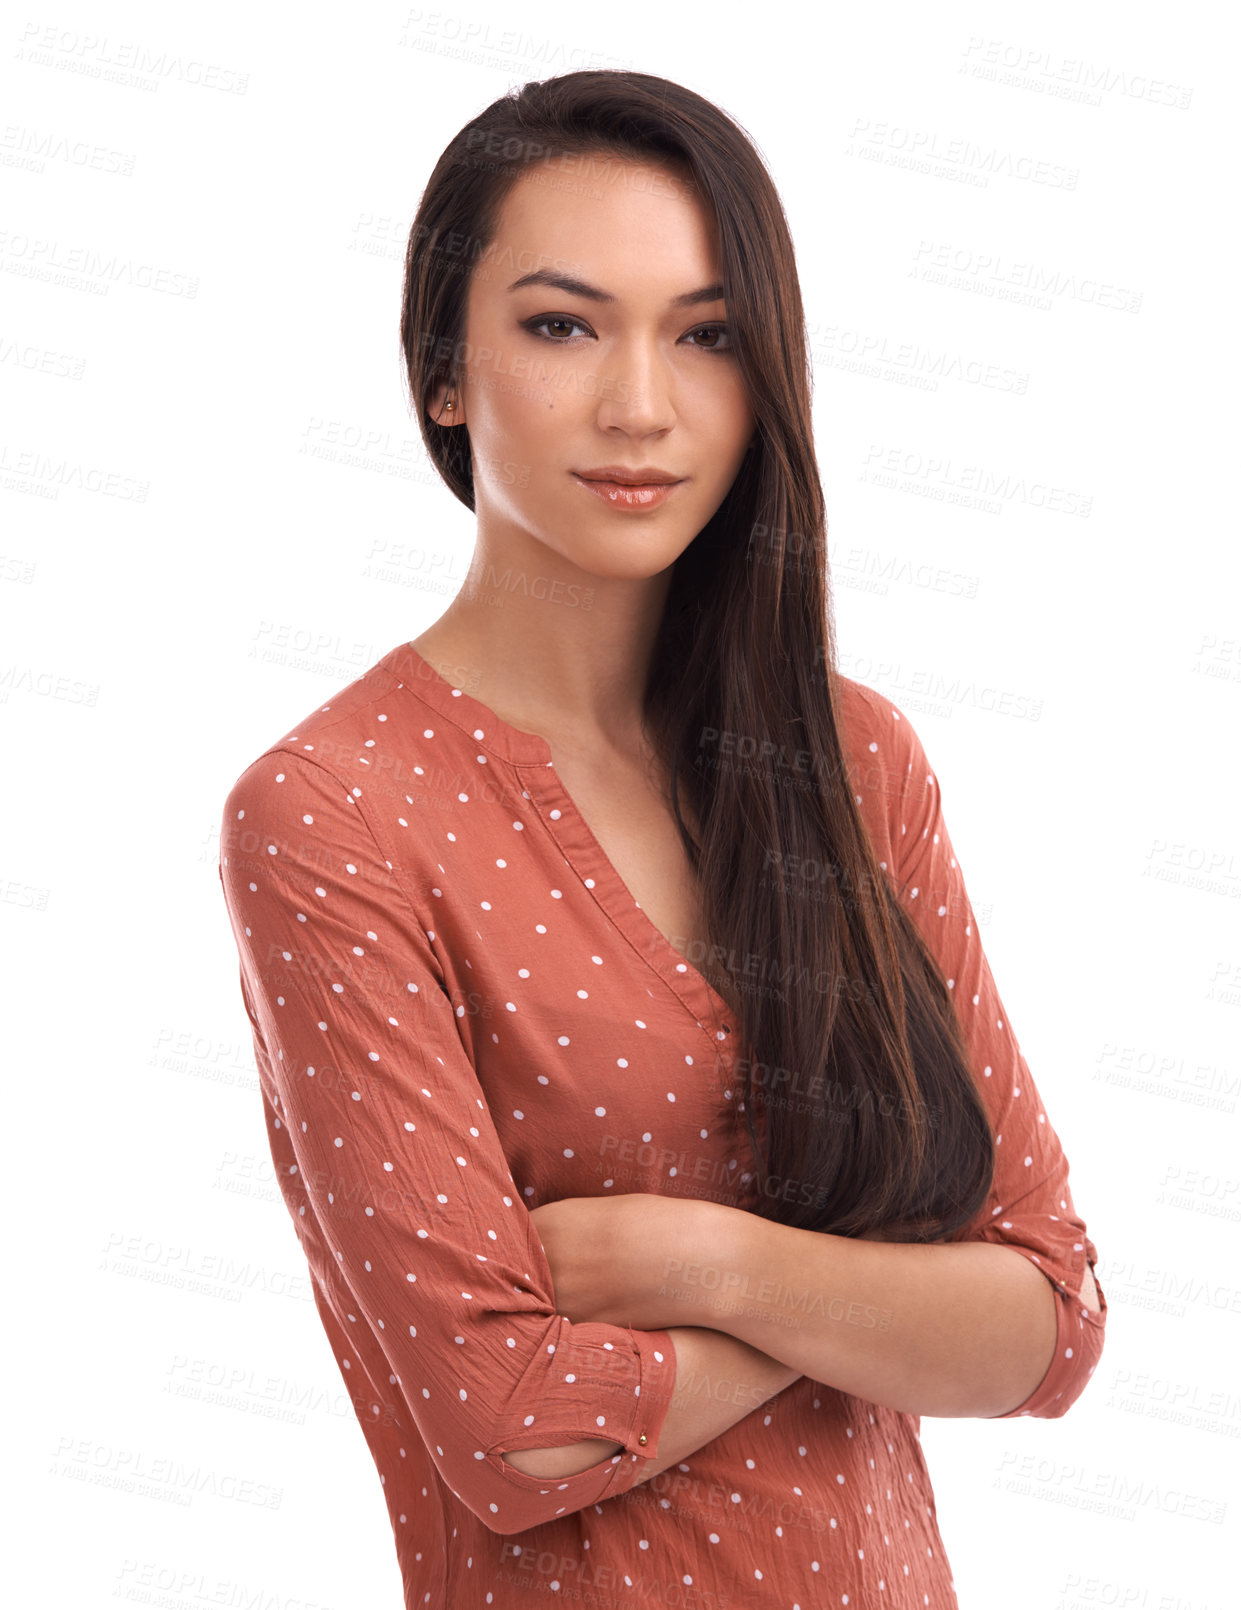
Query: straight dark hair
[891, 1138]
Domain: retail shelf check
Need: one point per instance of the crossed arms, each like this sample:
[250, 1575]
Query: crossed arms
[956, 1329]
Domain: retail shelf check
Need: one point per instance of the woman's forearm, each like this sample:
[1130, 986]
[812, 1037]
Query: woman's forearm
[719, 1381]
[602, 1252]
[942, 1329]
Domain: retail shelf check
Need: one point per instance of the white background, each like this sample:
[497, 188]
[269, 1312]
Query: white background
[201, 280]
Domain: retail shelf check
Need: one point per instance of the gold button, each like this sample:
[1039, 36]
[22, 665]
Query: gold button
[642, 1439]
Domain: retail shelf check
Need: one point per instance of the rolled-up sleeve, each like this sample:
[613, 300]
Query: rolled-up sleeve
[397, 1167]
[1030, 1206]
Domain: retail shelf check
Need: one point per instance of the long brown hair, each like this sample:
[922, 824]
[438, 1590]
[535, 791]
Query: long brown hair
[889, 1134]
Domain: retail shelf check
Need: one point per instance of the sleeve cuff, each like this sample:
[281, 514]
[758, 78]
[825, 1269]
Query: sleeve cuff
[616, 1383]
[1079, 1345]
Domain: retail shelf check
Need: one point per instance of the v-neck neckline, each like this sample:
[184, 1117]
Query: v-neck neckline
[531, 754]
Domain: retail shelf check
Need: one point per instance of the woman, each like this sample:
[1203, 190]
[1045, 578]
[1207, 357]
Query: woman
[631, 1064]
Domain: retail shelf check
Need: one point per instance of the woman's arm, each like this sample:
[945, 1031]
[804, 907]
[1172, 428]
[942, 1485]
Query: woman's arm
[589, 1243]
[1006, 1321]
[391, 1166]
[719, 1380]
[952, 1329]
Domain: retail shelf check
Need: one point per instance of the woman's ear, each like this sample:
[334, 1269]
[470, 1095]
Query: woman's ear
[445, 406]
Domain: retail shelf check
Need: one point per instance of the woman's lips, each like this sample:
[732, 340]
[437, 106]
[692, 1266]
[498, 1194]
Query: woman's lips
[621, 495]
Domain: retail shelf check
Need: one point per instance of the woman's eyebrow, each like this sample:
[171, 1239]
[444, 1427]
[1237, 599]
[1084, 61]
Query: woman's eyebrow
[563, 282]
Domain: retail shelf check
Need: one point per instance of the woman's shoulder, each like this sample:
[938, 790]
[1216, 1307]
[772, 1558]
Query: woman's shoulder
[356, 731]
[378, 767]
[890, 774]
[346, 745]
[341, 718]
[875, 731]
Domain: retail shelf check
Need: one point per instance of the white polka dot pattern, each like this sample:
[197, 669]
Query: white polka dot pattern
[459, 1011]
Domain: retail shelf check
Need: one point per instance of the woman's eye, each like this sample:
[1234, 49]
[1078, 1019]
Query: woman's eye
[552, 320]
[558, 327]
[720, 331]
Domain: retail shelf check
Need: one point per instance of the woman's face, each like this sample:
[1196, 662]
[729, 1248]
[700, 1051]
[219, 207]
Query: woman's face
[613, 369]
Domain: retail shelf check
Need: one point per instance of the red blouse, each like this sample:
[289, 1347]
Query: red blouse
[460, 1012]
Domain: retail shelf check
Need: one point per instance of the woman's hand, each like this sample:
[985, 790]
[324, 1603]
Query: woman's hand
[608, 1254]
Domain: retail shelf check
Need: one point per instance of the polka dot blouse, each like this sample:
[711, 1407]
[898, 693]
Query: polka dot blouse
[460, 1012]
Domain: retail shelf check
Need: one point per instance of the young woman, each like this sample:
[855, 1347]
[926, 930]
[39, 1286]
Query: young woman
[642, 1097]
